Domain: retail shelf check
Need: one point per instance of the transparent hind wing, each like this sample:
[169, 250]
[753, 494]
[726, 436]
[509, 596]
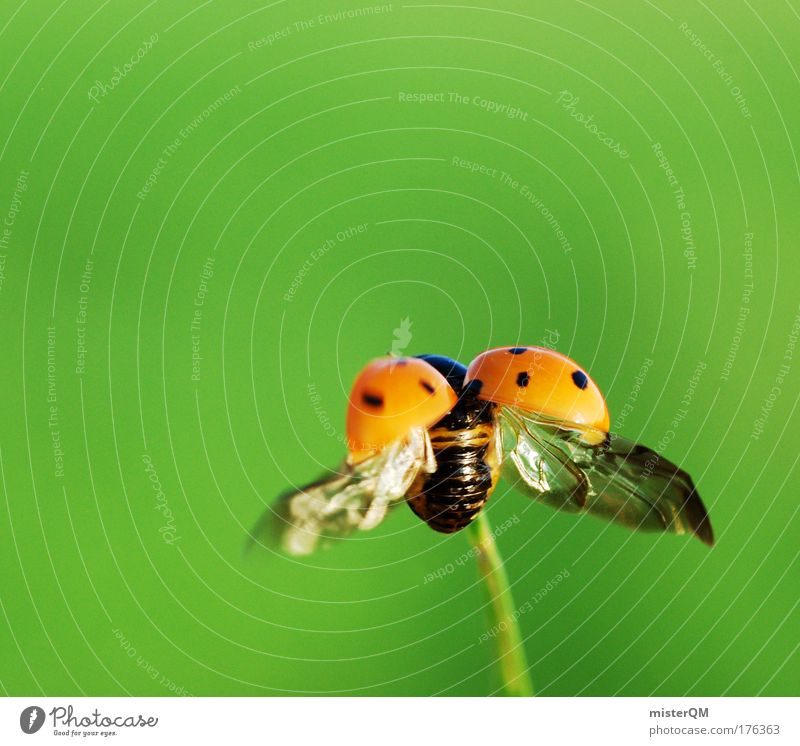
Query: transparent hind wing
[579, 469]
[356, 497]
[537, 467]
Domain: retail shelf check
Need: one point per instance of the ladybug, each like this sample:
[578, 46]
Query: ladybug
[437, 435]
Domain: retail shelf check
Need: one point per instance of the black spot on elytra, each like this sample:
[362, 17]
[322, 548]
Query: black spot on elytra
[427, 386]
[473, 388]
[523, 379]
[517, 350]
[580, 379]
[372, 400]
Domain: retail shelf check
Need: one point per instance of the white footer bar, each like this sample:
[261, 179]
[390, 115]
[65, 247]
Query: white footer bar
[389, 721]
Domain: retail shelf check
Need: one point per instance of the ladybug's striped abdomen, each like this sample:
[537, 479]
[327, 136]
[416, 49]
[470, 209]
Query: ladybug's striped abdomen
[463, 444]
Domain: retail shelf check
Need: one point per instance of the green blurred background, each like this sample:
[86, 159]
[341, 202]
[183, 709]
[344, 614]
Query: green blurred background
[186, 296]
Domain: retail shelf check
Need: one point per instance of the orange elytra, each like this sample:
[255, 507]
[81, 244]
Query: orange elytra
[390, 396]
[537, 379]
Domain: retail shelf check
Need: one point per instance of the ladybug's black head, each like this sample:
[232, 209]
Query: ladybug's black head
[451, 369]
[469, 410]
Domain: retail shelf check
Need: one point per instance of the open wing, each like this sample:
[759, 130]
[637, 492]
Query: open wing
[579, 469]
[356, 497]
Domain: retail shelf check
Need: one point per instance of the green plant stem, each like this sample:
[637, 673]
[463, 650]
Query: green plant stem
[511, 662]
